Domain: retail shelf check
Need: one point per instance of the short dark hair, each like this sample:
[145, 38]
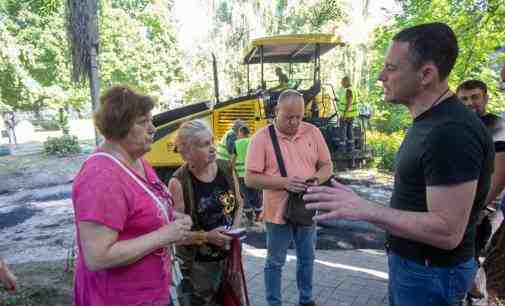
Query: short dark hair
[472, 84]
[119, 107]
[431, 42]
[244, 130]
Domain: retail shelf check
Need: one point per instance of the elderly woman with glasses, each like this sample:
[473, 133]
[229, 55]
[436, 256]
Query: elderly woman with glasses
[124, 215]
[205, 189]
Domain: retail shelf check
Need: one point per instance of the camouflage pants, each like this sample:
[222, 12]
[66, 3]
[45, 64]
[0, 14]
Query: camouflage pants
[199, 287]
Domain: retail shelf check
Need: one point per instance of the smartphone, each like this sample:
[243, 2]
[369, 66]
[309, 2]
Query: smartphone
[236, 232]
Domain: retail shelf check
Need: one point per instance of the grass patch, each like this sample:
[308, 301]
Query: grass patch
[87, 142]
[17, 163]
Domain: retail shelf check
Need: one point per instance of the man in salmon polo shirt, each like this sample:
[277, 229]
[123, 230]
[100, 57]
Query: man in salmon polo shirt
[306, 156]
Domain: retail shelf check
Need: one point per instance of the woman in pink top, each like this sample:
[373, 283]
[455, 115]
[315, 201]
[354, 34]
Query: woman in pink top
[123, 213]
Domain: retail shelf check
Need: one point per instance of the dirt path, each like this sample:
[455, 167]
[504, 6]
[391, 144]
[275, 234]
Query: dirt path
[40, 284]
[31, 184]
[36, 171]
[36, 224]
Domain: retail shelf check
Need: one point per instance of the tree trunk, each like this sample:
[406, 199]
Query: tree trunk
[94, 86]
[94, 72]
[82, 29]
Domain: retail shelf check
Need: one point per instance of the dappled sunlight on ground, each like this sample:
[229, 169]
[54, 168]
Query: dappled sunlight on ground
[262, 253]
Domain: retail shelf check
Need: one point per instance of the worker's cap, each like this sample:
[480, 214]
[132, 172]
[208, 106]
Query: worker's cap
[237, 124]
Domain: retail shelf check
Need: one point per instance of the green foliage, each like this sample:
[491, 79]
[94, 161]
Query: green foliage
[131, 6]
[480, 30]
[151, 33]
[35, 67]
[223, 13]
[389, 118]
[384, 148]
[18, 301]
[324, 12]
[62, 146]
[198, 92]
[41, 7]
[50, 125]
[4, 107]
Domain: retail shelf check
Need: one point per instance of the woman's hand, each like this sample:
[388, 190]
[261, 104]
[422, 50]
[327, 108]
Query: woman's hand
[216, 237]
[181, 216]
[7, 279]
[176, 231]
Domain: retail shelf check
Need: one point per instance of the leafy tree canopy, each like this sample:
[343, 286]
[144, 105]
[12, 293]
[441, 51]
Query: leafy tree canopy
[480, 30]
[137, 47]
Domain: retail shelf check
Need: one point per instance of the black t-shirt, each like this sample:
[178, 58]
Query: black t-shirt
[215, 207]
[446, 145]
[496, 126]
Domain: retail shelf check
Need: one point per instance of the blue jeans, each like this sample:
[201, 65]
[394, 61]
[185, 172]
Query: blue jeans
[279, 236]
[412, 284]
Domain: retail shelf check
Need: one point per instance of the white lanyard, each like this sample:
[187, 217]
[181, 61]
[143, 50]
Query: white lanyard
[159, 204]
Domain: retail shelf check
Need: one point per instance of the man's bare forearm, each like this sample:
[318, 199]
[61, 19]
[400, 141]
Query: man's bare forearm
[425, 227]
[261, 181]
[324, 172]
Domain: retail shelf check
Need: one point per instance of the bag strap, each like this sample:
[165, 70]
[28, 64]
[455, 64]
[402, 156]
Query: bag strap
[277, 150]
[160, 205]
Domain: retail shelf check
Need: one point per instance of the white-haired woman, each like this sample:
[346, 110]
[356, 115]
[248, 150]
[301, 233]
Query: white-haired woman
[205, 189]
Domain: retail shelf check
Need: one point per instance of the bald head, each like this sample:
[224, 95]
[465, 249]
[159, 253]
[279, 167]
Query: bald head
[288, 95]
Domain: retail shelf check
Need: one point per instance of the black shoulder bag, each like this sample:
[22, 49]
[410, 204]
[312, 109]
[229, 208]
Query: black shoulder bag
[295, 212]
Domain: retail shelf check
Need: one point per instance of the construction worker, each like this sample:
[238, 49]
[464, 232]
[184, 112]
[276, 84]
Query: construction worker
[252, 197]
[348, 111]
[226, 146]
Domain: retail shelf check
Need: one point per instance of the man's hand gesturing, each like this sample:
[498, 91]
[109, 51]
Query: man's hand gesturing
[340, 202]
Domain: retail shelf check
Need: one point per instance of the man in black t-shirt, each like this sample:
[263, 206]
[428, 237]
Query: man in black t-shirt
[442, 175]
[473, 94]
